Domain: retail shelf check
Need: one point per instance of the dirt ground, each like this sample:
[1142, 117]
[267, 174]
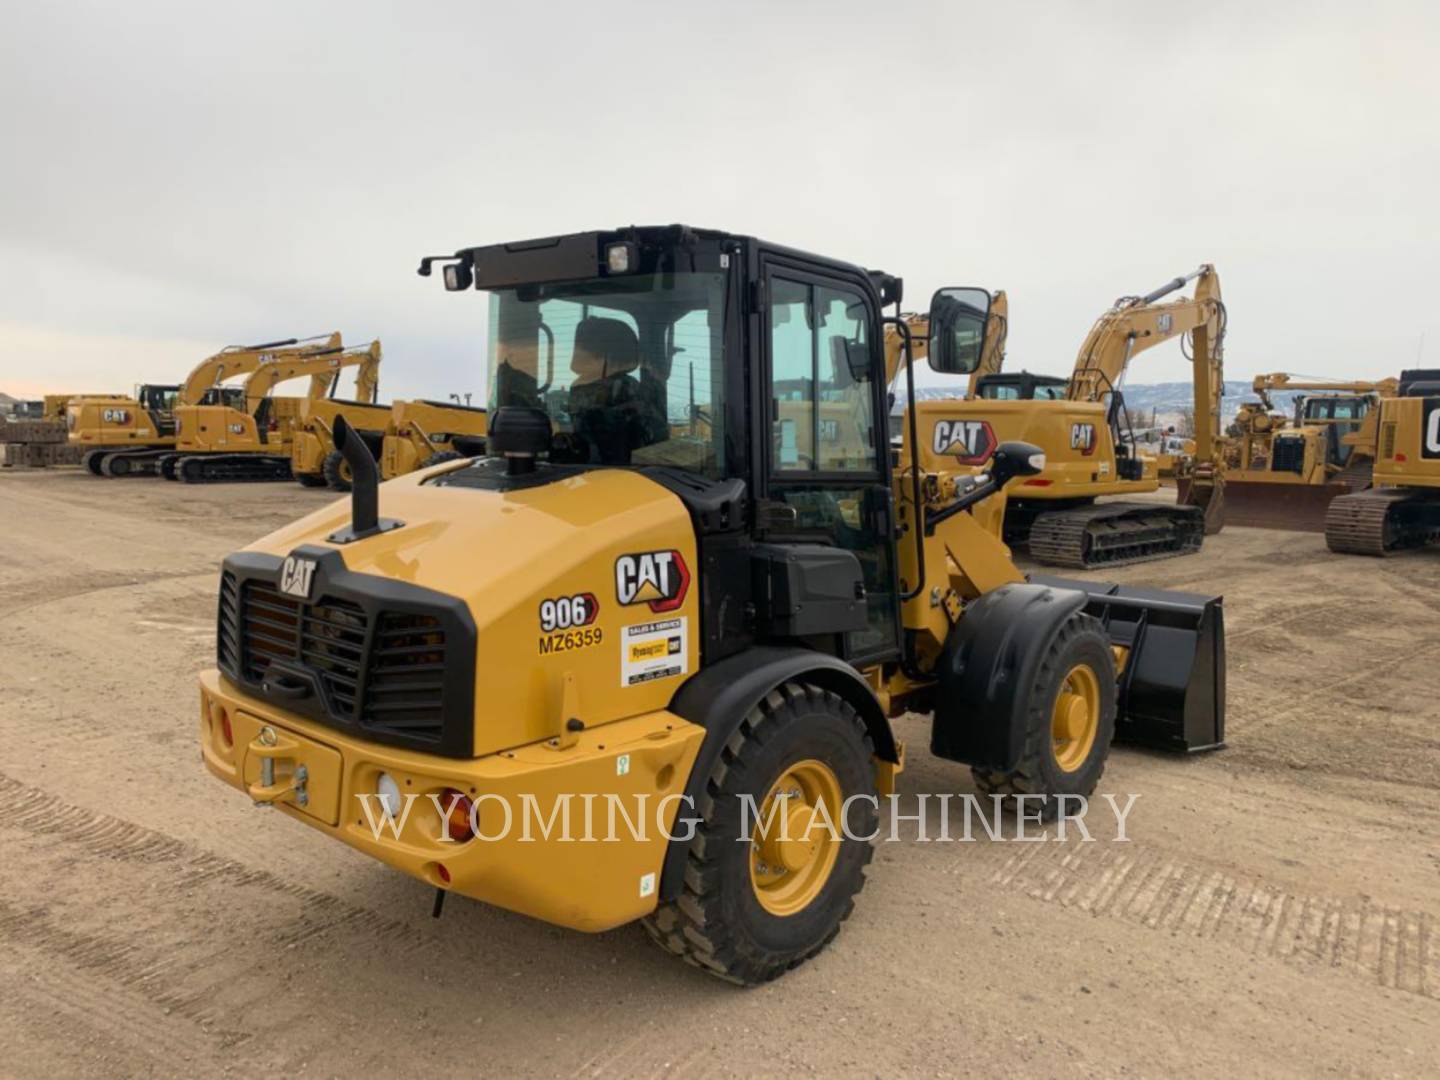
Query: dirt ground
[1275, 912]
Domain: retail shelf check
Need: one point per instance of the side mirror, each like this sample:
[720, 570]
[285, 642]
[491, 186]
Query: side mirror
[1012, 459]
[958, 322]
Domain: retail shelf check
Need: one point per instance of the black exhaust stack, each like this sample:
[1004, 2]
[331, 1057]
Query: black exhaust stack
[365, 519]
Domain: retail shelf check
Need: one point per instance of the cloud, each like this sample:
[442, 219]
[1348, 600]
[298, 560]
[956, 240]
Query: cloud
[212, 174]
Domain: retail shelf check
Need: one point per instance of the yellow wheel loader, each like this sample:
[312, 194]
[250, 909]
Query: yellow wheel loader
[314, 461]
[1284, 473]
[581, 682]
[249, 438]
[425, 433]
[128, 436]
[1402, 510]
[1091, 447]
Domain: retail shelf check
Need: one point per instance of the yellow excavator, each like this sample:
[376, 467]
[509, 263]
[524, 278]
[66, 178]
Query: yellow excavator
[128, 436]
[1402, 510]
[1283, 473]
[1090, 444]
[451, 673]
[248, 438]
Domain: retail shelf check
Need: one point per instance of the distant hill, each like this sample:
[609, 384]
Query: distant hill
[1167, 400]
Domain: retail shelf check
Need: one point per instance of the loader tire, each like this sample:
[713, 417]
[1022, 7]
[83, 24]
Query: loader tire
[310, 479]
[336, 471]
[1069, 726]
[738, 916]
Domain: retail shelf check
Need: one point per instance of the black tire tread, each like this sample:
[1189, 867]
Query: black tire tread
[691, 926]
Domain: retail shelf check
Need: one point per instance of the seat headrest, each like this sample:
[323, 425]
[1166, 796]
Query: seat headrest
[604, 348]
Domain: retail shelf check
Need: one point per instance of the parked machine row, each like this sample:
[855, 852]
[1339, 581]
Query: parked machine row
[225, 423]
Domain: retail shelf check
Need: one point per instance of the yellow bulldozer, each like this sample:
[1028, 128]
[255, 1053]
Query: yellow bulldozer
[1283, 472]
[1091, 448]
[714, 651]
[129, 436]
[248, 437]
[1402, 510]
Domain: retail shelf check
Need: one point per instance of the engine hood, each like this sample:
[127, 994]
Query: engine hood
[586, 579]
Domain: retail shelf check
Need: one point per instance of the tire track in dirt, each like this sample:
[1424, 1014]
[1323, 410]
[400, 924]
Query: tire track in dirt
[1153, 888]
[184, 983]
[53, 593]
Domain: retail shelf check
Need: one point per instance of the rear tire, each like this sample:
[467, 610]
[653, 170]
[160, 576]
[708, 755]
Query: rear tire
[737, 916]
[337, 471]
[92, 461]
[310, 479]
[1067, 739]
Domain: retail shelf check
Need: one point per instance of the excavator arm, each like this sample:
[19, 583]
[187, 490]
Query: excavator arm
[1136, 323]
[236, 360]
[322, 365]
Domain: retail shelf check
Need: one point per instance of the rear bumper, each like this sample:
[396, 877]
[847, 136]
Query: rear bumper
[630, 771]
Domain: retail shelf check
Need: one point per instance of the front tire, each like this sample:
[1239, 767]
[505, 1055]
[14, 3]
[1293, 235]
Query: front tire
[757, 902]
[1070, 723]
[337, 471]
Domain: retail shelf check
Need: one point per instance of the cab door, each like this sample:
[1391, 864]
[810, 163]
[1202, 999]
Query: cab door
[825, 465]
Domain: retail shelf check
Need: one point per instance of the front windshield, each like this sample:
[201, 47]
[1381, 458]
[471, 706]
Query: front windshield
[630, 370]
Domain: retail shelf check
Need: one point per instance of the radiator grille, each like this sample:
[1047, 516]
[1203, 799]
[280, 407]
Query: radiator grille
[392, 681]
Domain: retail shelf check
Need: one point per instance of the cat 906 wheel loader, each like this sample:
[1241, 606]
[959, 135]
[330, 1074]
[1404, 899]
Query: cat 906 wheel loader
[716, 648]
[129, 436]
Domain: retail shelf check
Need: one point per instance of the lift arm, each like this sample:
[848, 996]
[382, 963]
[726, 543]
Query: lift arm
[234, 360]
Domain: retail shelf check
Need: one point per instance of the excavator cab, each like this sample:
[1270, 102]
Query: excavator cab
[1021, 386]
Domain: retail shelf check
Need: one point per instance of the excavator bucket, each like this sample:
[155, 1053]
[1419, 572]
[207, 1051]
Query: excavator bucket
[1207, 494]
[1267, 505]
[1171, 687]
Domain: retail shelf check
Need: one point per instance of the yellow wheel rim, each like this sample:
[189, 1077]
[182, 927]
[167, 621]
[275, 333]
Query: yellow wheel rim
[345, 472]
[797, 840]
[1076, 717]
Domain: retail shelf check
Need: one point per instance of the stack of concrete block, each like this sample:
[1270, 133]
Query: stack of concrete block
[37, 443]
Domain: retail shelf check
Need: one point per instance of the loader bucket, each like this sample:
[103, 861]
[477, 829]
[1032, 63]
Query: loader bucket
[1171, 689]
[1261, 504]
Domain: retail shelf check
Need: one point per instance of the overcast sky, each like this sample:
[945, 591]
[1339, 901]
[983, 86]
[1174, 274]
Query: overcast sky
[175, 177]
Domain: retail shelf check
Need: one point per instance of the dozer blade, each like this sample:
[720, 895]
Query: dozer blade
[1171, 688]
[1265, 505]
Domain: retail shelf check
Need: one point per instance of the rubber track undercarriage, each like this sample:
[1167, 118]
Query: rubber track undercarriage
[1382, 521]
[1110, 533]
[225, 468]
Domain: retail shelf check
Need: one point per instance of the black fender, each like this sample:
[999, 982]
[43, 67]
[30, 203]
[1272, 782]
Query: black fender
[721, 695]
[987, 670]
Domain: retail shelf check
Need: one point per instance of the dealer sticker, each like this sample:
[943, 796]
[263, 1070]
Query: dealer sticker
[653, 650]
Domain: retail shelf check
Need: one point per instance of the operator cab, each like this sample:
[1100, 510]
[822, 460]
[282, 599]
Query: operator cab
[1339, 415]
[747, 378]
